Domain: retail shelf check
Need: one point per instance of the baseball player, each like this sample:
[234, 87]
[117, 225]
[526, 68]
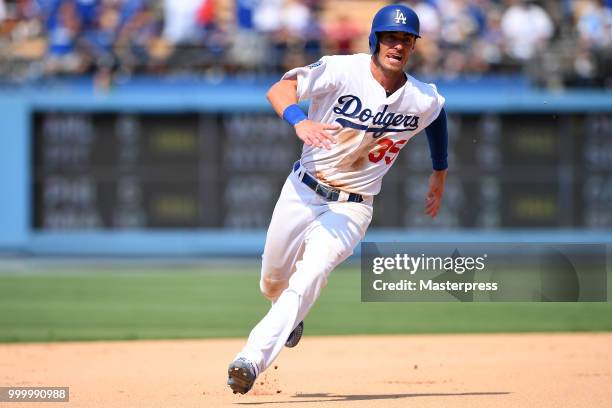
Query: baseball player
[363, 111]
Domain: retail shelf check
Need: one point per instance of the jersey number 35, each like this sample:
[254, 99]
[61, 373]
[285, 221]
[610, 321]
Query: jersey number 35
[386, 149]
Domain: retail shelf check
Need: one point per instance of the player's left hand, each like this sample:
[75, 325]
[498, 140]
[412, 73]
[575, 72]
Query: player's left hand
[434, 195]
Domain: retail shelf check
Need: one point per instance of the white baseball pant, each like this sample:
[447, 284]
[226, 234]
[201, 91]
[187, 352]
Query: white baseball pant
[307, 238]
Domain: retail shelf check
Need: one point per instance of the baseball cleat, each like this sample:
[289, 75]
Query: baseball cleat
[295, 336]
[241, 375]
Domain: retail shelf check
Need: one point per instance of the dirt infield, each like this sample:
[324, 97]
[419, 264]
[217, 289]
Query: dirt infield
[538, 370]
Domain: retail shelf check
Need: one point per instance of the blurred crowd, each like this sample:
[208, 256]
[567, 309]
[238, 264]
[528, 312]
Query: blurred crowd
[556, 42]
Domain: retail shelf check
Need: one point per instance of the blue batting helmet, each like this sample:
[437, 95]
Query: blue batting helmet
[395, 17]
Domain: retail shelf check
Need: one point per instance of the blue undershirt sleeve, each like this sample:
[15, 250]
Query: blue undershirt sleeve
[437, 136]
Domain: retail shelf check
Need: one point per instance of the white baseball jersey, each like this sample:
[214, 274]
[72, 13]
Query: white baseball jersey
[375, 127]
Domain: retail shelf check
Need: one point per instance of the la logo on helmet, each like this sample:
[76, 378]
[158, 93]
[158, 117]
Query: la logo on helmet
[399, 17]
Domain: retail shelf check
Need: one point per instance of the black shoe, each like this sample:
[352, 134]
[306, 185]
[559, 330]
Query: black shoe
[295, 336]
[241, 375]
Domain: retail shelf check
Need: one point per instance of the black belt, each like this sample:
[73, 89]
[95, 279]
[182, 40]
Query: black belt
[329, 193]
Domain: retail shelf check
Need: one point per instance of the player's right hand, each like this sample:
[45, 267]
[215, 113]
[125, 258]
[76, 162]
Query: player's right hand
[316, 134]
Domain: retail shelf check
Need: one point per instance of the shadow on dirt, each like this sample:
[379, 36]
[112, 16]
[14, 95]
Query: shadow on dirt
[326, 397]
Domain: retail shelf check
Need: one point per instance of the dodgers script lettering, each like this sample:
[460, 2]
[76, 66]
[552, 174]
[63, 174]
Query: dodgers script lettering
[350, 106]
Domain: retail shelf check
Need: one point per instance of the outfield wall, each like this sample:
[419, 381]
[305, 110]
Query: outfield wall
[18, 106]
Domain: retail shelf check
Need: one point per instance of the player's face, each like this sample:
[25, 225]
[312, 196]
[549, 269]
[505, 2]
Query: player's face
[394, 50]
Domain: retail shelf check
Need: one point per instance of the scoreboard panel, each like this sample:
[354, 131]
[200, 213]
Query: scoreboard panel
[195, 170]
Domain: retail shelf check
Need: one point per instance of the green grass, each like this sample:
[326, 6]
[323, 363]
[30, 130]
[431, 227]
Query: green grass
[94, 303]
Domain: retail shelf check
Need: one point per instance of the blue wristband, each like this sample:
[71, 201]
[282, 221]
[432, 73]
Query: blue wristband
[293, 114]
